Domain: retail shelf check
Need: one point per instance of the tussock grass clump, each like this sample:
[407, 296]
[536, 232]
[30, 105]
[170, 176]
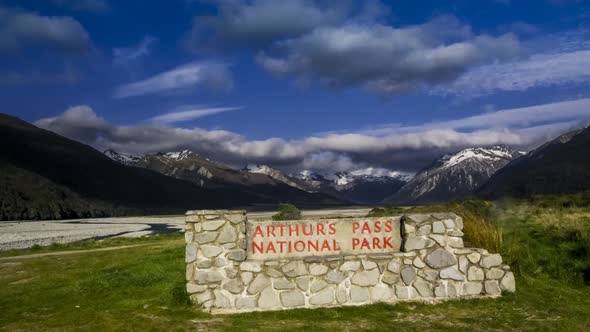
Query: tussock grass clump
[287, 212]
[479, 231]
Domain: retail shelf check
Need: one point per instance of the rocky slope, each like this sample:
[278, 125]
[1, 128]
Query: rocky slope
[454, 176]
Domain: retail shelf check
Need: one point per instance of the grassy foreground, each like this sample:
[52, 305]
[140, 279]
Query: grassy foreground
[142, 287]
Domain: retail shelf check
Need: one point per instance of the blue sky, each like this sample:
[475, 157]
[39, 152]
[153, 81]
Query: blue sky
[313, 84]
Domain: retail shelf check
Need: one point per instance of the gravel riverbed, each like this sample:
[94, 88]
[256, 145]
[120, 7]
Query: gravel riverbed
[25, 234]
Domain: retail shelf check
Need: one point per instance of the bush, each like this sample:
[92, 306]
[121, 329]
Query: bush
[287, 212]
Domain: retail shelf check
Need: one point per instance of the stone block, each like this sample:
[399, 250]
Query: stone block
[211, 251]
[221, 300]
[475, 274]
[381, 293]
[369, 265]
[408, 229]
[268, 299]
[246, 302]
[227, 234]
[390, 278]
[492, 287]
[282, 284]
[438, 227]
[303, 283]
[204, 263]
[205, 277]
[235, 218]
[424, 230]
[194, 288]
[317, 285]
[507, 284]
[234, 286]
[441, 240]
[463, 264]
[294, 269]
[405, 292]
[205, 237]
[272, 272]
[491, 261]
[190, 253]
[494, 273]
[231, 272]
[202, 297]
[366, 278]
[317, 269]
[341, 296]
[291, 299]
[423, 287]
[246, 277]
[213, 225]
[250, 266]
[474, 257]
[394, 265]
[419, 263]
[417, 243]
[238, 255]
[408, 275]
[188, 237]
[359, 294]
[472, 288]
[350, 266]
[326, 296]
[440, 258]
[451, 273]
[455, 242]
[259, 283]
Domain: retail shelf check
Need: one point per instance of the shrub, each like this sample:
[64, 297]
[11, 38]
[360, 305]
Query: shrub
[287, 212]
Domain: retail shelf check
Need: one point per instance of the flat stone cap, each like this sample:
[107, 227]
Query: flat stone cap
[208, 212]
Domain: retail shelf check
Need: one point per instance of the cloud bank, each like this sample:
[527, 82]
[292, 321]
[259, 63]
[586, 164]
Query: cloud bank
[346, 44]
[404, 148]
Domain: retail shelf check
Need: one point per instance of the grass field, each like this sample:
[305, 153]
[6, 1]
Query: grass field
[142, 287]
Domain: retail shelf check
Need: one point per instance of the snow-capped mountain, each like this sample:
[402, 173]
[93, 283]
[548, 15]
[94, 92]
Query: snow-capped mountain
[454, 176]
[362, 186]
[125, 159]
[204, 172]
[277, 175]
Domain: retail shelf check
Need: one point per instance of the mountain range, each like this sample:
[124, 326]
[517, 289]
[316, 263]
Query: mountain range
[454, 176]
[47, 176]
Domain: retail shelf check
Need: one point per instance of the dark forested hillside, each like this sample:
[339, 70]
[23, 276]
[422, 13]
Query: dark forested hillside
[561, 166]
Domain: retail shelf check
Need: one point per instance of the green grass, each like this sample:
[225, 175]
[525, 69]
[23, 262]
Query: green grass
[142, 288]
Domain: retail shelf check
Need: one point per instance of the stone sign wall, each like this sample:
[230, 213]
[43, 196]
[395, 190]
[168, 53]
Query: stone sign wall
[225, 274]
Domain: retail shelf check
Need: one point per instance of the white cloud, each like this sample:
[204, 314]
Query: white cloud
[125, 55]
[570, 110]
[541, 70]
[386, 59]
[403, 148]
[191, 75]
[19, 29]
[189, 112]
